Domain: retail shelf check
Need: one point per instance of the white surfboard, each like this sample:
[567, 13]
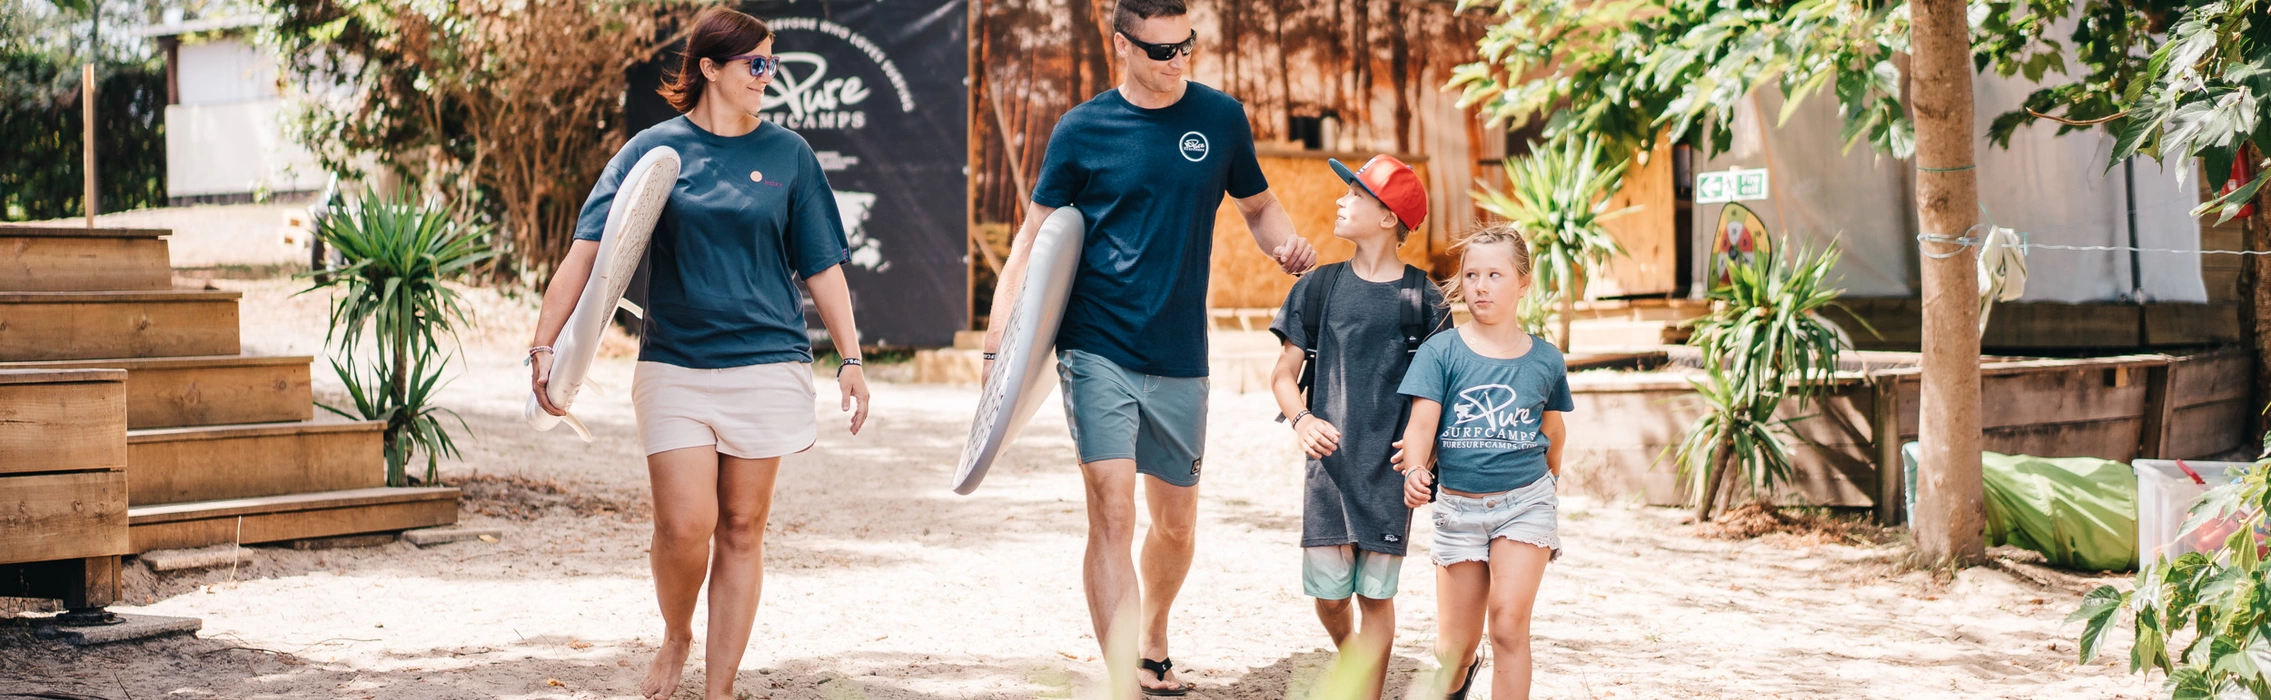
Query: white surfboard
[639, 201]
[1025, 367]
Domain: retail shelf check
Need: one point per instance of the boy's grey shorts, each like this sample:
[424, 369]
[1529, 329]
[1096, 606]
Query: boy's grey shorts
[1114, 413]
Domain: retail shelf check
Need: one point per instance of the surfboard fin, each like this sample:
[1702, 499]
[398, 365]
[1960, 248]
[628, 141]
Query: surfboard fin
[626, 305]
[581, 431]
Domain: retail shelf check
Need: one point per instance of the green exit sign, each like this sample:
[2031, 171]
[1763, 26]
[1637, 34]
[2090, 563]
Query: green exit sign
[1737, 185]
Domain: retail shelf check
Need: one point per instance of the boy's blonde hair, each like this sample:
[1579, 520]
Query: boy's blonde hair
[1487, 235]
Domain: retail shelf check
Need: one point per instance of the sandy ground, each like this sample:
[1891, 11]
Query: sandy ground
[884, 584]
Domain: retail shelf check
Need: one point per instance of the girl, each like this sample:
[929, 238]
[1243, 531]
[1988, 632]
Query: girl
[724, 385]
[1493, 459]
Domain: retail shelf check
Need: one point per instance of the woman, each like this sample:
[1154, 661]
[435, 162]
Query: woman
[724, 387]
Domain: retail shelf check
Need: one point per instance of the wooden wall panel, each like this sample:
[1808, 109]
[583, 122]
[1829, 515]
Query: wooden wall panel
[71, 515]
[62, 426]
[206, 464]
[75, 264]
[1243, 277]
[1649, 235]
[74, 326]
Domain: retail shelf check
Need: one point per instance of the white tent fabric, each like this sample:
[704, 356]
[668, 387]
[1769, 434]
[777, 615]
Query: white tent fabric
[2052, 189]
[2057, 190]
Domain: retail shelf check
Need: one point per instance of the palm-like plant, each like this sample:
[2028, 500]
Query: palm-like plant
[1558, 196]
[1764, 341]
[397, 255]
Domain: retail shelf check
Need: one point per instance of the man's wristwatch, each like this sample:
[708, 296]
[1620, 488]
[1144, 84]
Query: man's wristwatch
[848, 362]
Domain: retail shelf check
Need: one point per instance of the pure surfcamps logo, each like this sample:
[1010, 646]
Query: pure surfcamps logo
[806, 94]
[1194, 146]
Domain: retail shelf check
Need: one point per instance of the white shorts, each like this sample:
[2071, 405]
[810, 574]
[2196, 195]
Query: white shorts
[752, 412]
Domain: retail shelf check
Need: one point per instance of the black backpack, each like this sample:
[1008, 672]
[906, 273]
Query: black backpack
[1412, 317]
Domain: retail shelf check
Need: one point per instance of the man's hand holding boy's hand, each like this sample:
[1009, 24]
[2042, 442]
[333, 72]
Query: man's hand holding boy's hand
[1416, 487]
[1319, 438]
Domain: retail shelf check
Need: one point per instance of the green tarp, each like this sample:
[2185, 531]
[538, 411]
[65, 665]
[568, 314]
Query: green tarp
[2080, 512]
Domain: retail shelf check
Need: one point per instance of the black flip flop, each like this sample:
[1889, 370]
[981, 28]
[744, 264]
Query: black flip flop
[1159, 669]
[1472, 667]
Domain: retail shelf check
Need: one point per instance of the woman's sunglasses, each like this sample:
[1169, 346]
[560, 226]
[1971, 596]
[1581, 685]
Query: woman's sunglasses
[761, 65]
[1163, 52]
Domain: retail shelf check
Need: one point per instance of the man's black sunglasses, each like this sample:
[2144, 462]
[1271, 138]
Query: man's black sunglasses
[1163, 52]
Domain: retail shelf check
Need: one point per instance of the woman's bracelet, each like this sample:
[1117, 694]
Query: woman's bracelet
[1297, 419]
[532, 353]
[848, 362]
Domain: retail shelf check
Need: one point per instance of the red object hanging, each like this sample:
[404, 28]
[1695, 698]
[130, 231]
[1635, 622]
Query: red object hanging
[2240, 176]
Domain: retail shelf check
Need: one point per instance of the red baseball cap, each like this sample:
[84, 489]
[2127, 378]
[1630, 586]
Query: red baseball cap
[1393, 183]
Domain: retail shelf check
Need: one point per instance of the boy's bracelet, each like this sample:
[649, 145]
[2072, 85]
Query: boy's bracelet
[1297, 419]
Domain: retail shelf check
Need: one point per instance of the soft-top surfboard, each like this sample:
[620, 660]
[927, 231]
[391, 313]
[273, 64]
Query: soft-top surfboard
[639, 200]
[1025, 367]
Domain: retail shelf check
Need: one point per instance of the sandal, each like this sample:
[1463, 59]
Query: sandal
[1472, 667]
[1159, 669]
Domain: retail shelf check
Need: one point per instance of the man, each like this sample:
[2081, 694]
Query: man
[1147, 164]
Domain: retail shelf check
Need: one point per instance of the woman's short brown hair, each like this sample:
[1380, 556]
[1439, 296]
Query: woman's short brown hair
[719, 33]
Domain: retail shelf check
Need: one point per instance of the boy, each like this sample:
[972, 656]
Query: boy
[1354, 325]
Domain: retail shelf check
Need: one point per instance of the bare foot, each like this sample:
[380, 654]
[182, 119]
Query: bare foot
[663, 672]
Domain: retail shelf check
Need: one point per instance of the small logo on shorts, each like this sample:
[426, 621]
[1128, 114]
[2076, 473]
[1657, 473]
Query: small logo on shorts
[1193, 146]
[1195, 466]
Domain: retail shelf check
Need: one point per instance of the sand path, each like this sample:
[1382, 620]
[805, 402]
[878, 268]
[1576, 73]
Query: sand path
[883, 584]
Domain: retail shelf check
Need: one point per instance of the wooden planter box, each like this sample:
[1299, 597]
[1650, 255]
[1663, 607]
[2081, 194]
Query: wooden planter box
[62, 465]
[2118, 408]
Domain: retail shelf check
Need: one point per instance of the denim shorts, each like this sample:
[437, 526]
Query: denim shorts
[1465, 525]
[1118, 413]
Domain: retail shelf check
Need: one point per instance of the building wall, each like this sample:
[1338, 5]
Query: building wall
[224, 136]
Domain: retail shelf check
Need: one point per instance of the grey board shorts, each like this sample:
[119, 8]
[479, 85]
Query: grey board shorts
[1115, 413]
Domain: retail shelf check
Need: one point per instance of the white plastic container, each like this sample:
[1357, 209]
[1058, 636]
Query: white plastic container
[2164, 499]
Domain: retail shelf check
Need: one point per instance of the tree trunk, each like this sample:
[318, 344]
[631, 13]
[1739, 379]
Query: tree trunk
[2255, 303]
[1568, 312]
[1715, 471]
[1950, 503]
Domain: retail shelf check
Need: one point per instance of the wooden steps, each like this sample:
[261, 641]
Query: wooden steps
[213, 463]
[289, 517]
[67, 259]
[96, 325]
[172, 392]
[207, 446]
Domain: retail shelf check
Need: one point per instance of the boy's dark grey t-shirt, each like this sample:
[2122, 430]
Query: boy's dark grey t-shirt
[1353, 496]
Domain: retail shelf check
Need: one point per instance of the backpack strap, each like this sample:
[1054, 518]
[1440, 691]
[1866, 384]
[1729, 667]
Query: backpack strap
[1413, 316]
[1315, 299]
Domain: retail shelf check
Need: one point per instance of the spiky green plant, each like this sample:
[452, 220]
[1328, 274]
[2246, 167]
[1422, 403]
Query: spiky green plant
[391, 315]
[1764, 341]
[1559, 197]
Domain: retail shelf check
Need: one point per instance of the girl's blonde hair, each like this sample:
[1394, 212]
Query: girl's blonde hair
[1488, 235]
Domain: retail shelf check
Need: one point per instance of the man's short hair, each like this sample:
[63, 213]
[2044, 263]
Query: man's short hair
[1126, 12]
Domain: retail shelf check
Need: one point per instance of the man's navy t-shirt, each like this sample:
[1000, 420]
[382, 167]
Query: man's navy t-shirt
[748, 215]
[1148, 181]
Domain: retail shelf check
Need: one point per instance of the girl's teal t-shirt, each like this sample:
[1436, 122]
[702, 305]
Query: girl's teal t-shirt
[748, 216]
[1492, 411]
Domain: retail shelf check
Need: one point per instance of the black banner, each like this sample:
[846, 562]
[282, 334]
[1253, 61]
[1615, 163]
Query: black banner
[878, 88]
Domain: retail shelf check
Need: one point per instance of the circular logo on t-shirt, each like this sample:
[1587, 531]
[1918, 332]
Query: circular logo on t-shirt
[755, 176]
[1194, 146]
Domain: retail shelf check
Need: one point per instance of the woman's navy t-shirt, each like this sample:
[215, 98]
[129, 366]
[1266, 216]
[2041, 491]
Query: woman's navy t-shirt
[1490, 439]
[749, 215]
[1148, 181]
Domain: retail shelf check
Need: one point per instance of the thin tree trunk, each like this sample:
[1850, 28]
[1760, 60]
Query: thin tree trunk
[1568, 312]
[2255, 302]
[1950, 503]
[1715, 471]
